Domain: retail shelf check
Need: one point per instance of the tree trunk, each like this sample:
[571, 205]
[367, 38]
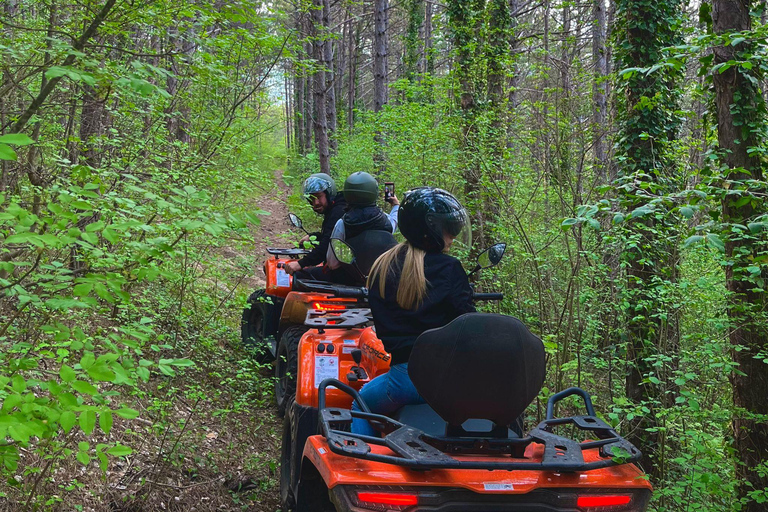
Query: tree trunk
[739, 104]
[429, 58]
[650, 256]
[319, 93]
[380, 68]
[599, 91]
[330, 89]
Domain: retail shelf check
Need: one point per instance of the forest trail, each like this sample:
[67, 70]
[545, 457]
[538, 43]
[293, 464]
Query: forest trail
[271, 229]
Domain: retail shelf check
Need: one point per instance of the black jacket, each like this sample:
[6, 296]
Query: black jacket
[330, 218]
[368, 231]
[448, 296]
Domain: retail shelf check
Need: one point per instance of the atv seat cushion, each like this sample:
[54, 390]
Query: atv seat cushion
[479, 366]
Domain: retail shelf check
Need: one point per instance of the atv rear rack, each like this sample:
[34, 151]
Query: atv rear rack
[346, 319]
[415, 449]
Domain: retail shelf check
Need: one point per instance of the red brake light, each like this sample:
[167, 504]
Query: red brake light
[602, 501]
[387, 498]
[328, 307]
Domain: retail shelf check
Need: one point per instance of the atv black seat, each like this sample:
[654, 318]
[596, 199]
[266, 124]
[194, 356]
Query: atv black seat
[479, 366]
[339, 290]
[293, 251]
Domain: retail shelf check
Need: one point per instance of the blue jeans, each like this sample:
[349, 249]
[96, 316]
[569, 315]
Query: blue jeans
[385, 395]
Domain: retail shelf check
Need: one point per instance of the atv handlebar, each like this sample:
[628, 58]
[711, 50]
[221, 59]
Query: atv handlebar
[487, 296]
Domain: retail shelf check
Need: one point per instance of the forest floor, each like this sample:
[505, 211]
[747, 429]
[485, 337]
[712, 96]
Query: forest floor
[207, 439]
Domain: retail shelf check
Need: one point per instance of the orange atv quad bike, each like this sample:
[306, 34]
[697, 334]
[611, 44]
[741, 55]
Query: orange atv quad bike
[273, 321]
[464, 450]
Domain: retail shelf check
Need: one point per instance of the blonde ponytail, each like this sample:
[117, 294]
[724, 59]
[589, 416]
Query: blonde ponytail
[412, 287]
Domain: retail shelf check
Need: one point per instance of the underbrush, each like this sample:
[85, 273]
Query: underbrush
[122, 380]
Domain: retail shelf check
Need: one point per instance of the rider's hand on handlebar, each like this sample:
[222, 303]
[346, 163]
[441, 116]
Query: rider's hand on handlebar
[292, 266]
[304, 239]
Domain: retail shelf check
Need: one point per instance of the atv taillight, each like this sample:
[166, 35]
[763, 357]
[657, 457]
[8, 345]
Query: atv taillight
[387, 498]
[602, 501]
[612, 502]
[319, 306]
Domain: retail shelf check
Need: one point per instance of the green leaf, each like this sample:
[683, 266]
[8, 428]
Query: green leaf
[67, 420]
[127, 413]
[105, 421]
[67, 374]
[85, 388]
[692, 240]
[101, 372]
[17, 139]
[103, 461]
[687, 212]
[55, 72]
[82, 289]
[7, 153]
[119, 450]
[177, 362]
[18, 383]
[83, 458]
[715, 242]
[88, 421]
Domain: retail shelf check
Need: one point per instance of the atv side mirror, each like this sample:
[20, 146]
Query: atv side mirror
[342, 251]
[295, 220]
[489, 257]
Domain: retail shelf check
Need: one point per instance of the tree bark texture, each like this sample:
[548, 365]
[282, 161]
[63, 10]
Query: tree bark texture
[599, 91]
[319, 92]
[738, 104]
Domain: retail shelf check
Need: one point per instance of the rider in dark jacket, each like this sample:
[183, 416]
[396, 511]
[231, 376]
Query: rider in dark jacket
[320, 190]
[414, 287]
[365, 227]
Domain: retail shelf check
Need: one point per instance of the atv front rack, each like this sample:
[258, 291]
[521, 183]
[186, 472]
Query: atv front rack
[414, 449]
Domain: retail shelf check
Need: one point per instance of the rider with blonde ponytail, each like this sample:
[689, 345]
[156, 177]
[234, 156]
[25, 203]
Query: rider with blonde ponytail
[413, 287]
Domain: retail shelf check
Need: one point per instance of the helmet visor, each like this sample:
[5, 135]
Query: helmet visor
[453, 227]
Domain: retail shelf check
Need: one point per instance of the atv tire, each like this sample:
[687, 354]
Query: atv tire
[286, 366]
[287, 500]
[252, 326]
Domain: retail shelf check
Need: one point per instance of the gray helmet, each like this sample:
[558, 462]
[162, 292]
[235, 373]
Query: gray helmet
[320, 182]
[361, 189]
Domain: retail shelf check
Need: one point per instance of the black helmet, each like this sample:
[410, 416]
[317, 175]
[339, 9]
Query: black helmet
[427, 213]
[320, 182]
[361, 189]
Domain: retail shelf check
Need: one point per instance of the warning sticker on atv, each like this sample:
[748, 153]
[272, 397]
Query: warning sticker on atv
[283, 279]
[326, 367]
[498, 487]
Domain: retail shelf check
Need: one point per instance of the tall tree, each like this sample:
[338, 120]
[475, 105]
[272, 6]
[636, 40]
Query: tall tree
[320, 87]
[330, 89]
[647, 123]
[741, 118]
[599, 90]
[380, 71]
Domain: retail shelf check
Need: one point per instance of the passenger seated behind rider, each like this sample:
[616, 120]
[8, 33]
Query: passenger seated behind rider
[320, 191]
[365, 228]
[414, 287]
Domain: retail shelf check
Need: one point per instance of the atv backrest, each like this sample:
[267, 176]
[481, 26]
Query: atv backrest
[479, 366]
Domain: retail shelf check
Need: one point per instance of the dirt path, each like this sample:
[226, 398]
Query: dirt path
[271, 228]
